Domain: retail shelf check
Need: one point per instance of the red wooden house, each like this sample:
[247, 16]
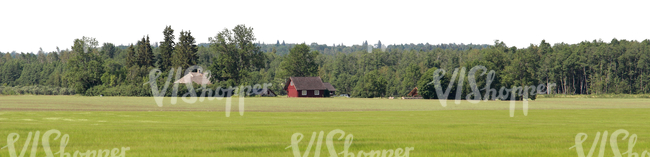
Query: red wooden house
[305, 87]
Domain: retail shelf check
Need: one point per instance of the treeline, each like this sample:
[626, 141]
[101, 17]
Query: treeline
[596, 67]
[283, 49]
[234, 57]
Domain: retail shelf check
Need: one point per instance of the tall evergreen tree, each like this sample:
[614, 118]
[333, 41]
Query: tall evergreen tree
[144, 52]
[131, 58]
[185, 51]
[167, 49]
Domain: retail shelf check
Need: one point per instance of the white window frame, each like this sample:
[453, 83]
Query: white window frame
[304, 92]
[316, 92]
[291, 83]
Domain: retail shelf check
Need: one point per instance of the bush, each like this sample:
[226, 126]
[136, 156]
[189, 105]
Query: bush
[35, 90]
[95, 91]
[8, 91]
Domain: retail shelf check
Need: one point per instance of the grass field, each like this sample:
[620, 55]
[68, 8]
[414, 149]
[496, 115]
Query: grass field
[202, 129]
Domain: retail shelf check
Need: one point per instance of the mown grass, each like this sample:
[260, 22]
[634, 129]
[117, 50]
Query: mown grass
[201, 129]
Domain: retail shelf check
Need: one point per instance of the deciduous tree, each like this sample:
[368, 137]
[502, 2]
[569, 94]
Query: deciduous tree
[301, 62]
[238, 55]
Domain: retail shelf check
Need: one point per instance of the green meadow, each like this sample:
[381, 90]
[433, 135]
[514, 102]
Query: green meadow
[267, 125]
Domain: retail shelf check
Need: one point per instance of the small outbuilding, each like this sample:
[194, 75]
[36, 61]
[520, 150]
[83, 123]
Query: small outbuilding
[195, 77]
[330, 88]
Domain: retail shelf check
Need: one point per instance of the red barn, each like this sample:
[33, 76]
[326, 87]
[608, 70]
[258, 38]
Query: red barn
[305, 87]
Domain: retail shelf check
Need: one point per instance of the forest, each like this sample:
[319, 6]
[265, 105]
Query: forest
[235, 57]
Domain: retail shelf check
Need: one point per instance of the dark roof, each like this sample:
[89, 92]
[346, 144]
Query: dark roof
[267, 92]
[306, 83]
[329, 87]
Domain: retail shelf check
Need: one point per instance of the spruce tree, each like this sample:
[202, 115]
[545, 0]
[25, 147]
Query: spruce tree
[131, 59]
[144, 52]
[167, 49]
[185, 51]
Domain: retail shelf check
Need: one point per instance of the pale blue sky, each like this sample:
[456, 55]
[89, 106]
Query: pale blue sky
[27, 25]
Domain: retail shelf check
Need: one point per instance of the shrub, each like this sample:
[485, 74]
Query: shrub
[35, 90]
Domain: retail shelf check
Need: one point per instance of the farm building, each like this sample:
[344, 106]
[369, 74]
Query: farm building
[195, 77]
[306, 87]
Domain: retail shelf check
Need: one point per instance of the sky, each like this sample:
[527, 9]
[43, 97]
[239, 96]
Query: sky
[26, 26]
